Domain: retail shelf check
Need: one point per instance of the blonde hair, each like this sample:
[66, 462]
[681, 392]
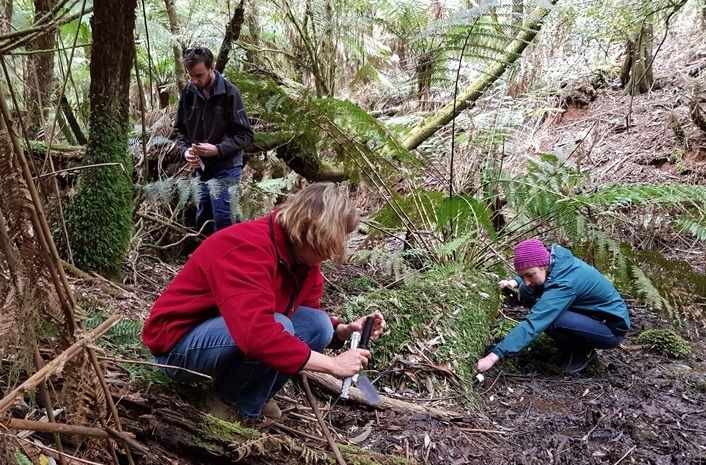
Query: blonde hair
[320, 217]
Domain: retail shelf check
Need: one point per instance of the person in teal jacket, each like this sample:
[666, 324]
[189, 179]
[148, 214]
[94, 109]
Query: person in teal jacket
[569, 300]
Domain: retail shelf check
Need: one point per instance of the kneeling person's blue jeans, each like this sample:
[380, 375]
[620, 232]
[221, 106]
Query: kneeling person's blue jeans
[573, 331]
[240, 382]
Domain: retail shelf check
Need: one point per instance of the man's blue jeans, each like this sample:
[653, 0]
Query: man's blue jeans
[213, 199]
[240, 382]
[573, 331]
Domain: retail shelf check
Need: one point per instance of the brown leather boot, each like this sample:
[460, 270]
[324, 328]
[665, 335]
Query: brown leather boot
[271, 410]
[219, 409]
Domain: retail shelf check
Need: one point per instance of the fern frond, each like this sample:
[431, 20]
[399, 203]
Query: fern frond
[389, 263]
[696, 228]
[259, 198]
[647, 194]
[648, 292]
[467, 214]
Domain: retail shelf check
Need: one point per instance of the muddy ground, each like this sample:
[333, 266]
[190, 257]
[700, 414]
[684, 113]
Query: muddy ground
[630, 407]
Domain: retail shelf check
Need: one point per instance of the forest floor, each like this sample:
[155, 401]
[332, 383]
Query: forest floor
[630, 406]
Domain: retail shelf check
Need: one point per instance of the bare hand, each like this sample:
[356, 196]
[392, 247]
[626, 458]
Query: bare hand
[350, 362]
[344, 331]
[204, 149]
[487, 362]
[192, 159]
[508, 284]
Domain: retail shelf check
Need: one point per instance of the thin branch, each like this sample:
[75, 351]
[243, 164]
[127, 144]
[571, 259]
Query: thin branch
[160, 365]
[320, 419]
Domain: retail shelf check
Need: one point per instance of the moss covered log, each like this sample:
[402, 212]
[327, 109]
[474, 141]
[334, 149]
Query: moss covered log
[448, 312]
[193, 434]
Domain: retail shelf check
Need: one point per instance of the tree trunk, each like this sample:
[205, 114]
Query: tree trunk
[424, 72]
[640, 66]
[170, 427]
[232, 35]
[423, 131]
[73, 123]
[179, 70]
[518, 10]
[99, 219]
[40, 72]
[251, 20]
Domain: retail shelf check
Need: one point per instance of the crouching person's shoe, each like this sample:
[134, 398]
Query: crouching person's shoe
[271, 410]
[573, 362]
[580, 360]
[219, 409]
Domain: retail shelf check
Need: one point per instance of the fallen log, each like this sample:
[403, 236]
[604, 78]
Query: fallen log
[170, 427]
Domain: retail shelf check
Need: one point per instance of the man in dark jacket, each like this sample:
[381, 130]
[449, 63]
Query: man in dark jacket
[210, 132]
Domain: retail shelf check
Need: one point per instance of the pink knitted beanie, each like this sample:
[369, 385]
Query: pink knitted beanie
[529, 253]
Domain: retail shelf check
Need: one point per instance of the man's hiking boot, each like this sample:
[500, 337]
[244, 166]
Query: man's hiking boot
[271, 410]
[573, 362]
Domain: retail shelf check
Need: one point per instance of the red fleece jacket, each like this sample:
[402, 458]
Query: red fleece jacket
[241, 273]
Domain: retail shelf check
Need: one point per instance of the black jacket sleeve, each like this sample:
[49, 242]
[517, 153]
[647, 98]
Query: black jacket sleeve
[239, 134]
[179, 133]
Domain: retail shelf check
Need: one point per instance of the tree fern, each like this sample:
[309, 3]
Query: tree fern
[551, 194]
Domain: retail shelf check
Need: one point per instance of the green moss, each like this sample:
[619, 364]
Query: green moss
[449, 311]
[665, 342]
[358, 456]
[222, 429]
[22, 459]
[99, 218]
[501, 329]
[674, 280]
[359, 285]
[36, 146]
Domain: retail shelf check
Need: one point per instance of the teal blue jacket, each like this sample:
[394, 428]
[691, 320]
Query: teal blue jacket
[571, 284]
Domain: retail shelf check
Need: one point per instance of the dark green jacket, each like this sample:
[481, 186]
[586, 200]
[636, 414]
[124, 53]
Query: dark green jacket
[571, 284]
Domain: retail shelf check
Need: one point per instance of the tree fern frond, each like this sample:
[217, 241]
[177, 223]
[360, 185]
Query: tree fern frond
[468, 215]
[160, 190]
[648, 292]
[696, 228]
[647, 194]
[421, 207]
[259, 198]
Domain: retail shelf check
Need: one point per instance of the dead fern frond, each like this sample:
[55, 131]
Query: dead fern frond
[288, 447]
[8, 321]
[82, 395]
[15, 200]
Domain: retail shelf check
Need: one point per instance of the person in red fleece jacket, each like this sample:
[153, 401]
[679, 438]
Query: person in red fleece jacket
[244, 309]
